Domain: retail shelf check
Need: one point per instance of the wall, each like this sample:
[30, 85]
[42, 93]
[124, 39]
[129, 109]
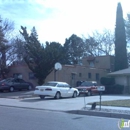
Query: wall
[24, 71]
[102, 62]
[80, 73]
[123, 80]
[69, 73]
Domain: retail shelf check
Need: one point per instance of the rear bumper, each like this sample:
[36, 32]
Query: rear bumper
[4, 88]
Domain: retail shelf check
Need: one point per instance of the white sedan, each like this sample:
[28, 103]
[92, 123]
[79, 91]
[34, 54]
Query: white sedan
[56, 90]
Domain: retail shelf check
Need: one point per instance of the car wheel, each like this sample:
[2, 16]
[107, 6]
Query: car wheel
[58, 95]
[11, 89]
[89, 93]
[42, 96]
[74, 94]
[29, 87]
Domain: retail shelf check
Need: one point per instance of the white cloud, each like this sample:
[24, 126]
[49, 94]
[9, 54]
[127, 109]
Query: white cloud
[56, 20]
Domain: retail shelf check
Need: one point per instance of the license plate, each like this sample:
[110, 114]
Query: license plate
[41, 89]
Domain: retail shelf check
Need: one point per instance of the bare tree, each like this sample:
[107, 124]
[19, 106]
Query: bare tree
[100, 43]
[6, 27]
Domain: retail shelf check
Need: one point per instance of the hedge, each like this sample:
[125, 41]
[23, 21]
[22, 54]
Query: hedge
[114, 89]
[107, 81]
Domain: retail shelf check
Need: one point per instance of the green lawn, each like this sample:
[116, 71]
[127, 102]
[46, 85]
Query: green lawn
[117, 103]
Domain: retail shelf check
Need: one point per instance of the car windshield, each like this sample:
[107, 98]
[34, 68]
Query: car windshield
[50, 84]
[84, 84]
[5, 80]
[88, 84]
[95, 84]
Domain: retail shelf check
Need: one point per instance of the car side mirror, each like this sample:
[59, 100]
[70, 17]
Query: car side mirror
[70, 87]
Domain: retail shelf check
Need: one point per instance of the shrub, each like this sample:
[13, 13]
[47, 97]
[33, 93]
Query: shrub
[114, 89]
[107, 81]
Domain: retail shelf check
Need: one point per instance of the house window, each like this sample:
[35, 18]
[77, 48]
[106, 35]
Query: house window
[17, 75]
[91, 64]
[31, 75]
[80, 74]
[89, 75]
[97, 76]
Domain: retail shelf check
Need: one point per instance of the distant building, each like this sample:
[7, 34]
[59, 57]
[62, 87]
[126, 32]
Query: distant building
[73, 73]
[91, 69]
[100, 62]
[20, 69]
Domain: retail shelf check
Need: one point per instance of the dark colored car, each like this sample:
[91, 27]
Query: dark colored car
[12, 84]
[88, 88]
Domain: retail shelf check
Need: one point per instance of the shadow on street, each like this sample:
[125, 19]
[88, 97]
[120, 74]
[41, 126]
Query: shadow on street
[37, 99]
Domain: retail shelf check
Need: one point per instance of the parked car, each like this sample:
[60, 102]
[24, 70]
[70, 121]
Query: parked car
[12, 84]
[88, 88]
[56, 90]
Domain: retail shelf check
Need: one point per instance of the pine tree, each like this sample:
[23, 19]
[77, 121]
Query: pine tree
[40, 59]
[120, 41]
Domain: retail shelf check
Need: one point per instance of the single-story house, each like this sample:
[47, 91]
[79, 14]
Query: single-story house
[122, 77]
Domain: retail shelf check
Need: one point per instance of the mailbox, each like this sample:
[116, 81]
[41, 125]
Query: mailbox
[101, 88]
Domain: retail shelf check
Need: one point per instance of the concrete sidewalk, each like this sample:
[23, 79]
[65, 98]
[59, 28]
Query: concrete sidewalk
[48, 104]
[71, 105]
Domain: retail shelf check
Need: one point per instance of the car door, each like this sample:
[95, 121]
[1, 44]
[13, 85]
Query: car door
[69, 90]
[16, 84]
[23, 84]
[62, 89]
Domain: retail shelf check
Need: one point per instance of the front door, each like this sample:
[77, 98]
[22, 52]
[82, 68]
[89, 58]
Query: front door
[23, 84]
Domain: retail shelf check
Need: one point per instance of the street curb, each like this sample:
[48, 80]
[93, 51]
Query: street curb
[101, 114]
[32, 108]
[79, 112]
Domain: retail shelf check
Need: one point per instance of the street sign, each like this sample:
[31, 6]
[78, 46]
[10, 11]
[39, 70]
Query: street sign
[101, 88]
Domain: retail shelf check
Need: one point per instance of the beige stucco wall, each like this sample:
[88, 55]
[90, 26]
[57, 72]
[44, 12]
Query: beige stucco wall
[24, 71]
[66, 74]
[103, 62]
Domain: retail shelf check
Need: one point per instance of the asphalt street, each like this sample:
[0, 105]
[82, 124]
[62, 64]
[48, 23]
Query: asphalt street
[27, 119]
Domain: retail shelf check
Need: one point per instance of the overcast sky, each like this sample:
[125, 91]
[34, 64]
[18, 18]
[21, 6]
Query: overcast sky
[56, 20]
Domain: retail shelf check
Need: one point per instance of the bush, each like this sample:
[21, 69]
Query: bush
[107, 81]
[114, 89]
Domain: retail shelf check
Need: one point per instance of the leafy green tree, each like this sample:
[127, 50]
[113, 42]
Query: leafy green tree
[40, 59]
[74, 49]
[120, 41]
